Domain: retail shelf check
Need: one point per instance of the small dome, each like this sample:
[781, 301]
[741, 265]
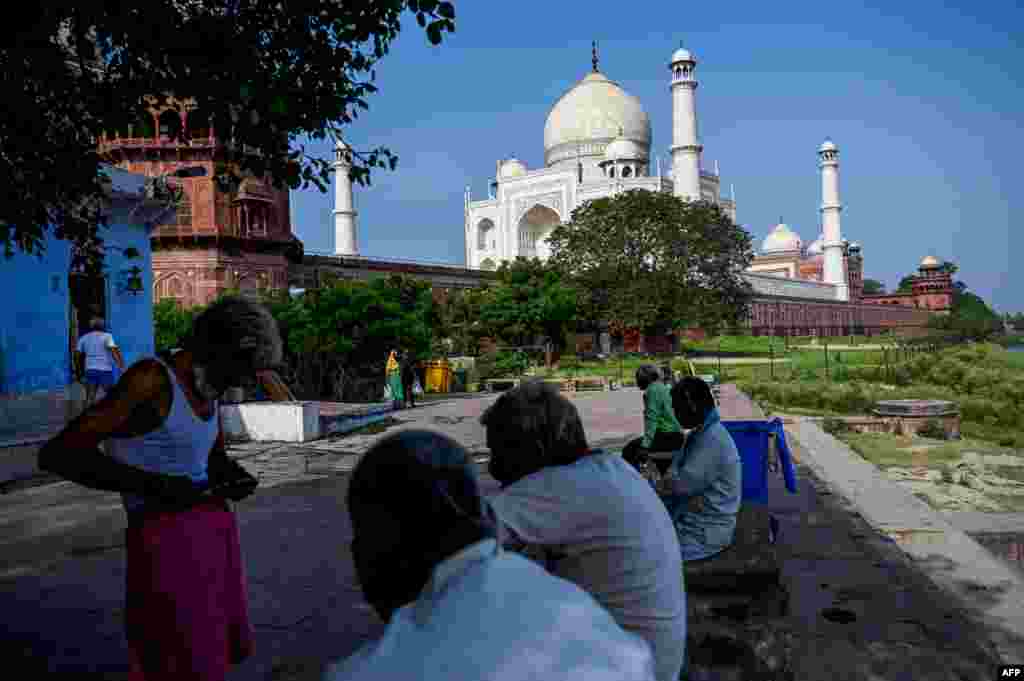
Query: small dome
[512, 168]
[682, 55]
[781, 239]
[930, 262]
[817, 247]
[827, 145]
[622, 149]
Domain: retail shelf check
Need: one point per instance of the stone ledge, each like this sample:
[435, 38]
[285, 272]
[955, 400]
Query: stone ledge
[749, 566]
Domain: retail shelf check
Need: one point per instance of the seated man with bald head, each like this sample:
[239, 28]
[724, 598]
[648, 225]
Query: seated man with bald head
[456, 605]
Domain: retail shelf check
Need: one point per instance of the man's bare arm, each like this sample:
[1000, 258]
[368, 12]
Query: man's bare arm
[73, 454]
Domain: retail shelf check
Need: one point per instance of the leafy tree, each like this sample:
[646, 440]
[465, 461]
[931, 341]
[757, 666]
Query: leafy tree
[529, 299]
[172, 323]
[267, 72]
[456, 318]
[343, 332]
[969, 316]
[873, 287]
[906, 284]
[650, 260]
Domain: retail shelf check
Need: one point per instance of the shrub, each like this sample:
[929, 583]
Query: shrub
[834, 426]
[509, 363]
[932, 429]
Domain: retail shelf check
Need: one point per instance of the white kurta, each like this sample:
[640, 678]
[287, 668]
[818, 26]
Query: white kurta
[489, 615]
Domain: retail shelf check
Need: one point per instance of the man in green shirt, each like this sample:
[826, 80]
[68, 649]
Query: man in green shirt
[662, 432]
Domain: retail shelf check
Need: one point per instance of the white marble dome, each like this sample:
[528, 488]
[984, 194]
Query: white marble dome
[817, 247]
[930, 262]
[682, 54]
[827, 145]
[594, 110]
[781, 239]
[513, 167]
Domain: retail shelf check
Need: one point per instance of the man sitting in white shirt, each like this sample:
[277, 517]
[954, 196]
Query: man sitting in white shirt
[456, 605]
[598, 520]
[99, 351]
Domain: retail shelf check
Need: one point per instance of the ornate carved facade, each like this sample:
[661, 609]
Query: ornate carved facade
[215, 240]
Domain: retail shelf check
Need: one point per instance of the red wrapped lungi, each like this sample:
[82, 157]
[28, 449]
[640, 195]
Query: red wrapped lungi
[186, 611]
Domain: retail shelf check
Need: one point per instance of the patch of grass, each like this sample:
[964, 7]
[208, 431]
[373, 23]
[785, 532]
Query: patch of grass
[1010, 502]
[884, 450]
[834, 426]
[1015, 473]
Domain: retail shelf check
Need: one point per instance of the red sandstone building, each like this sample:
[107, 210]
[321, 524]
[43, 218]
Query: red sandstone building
[931, 290]
[217, 240]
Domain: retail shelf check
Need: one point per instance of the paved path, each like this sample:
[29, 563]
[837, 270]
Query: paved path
[974, 522]
[62, 567]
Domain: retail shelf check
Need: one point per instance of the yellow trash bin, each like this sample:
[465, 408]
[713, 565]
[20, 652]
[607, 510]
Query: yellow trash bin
[438, 376]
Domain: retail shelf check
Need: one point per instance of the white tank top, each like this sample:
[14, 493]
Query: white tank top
[179, 446]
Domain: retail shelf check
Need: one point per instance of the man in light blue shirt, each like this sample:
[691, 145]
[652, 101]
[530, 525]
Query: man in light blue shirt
[704, 484]
[457, 606]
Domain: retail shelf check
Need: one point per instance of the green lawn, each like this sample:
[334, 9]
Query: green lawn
[885, 450]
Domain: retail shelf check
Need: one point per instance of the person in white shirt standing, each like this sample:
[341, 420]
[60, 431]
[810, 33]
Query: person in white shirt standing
[598, 523]
[99, 352]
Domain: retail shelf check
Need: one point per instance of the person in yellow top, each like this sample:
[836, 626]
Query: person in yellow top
[393, 373]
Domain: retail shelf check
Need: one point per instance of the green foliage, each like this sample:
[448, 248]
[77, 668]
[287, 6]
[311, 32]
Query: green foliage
[834, 426]
[282, 73]
[984, 380]
[502, 364]
[873, 286]
[457, 319]
[344, 329]
[360, 321]
[906, 284]
[172, 323]
[753, 345]
[530, 298]
[932, 429]
[651, 260]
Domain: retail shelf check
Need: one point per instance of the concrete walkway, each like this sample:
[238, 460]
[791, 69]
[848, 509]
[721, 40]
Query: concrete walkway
[62, 568]
[973, 522]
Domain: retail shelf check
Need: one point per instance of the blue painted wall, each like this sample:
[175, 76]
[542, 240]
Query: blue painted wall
[35, 317]
[34, 320]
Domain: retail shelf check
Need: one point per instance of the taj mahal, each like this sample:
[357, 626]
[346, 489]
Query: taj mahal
[597, 143]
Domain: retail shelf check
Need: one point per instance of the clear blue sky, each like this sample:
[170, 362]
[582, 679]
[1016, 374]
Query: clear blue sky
[925, 101]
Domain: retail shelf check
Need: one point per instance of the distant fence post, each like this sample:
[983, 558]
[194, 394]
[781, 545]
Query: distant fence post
[720, 361]
[828, 375]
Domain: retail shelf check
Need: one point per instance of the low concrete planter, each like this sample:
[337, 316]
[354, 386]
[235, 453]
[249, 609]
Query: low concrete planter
[297, 421]
[910, 416]
[271, 421]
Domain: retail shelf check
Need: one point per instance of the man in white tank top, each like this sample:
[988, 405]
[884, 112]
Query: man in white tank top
[186, 612]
